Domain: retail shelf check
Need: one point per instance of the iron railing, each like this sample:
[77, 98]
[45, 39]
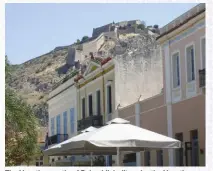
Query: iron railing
[95, 121]
[55, 139]
[202, 78]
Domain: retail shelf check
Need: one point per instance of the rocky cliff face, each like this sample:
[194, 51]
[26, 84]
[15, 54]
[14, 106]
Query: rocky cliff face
[34, 79]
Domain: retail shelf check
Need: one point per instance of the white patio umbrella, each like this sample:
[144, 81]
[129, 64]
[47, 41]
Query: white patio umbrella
[119, 134]
[56, 148]
[57, 151]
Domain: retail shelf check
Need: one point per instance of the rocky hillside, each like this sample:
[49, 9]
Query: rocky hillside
[34, 79]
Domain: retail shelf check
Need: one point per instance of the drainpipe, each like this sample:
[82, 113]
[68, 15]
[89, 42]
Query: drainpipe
[104, 111]
[79, 106]
[138, 123]
[116, 111]
[168, 94]
[169, 115]
[103, 81]
[85, 101]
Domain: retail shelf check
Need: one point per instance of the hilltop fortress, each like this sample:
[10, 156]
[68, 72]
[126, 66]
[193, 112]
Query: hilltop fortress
[107, 33]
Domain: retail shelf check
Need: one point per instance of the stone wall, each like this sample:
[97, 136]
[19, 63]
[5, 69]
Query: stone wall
[127, 30]
[102, 29]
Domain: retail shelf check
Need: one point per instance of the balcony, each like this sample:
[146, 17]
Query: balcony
[202, 78]
[55, 139]
[95, 121]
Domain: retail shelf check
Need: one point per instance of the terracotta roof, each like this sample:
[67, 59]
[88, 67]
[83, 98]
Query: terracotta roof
[78, 78]
[98, 60]
[104, 61]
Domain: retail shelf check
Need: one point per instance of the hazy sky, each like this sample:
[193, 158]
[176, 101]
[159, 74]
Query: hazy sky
[35, 29]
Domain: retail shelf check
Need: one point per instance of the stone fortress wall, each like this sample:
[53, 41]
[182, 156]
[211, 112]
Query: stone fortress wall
[99, 36]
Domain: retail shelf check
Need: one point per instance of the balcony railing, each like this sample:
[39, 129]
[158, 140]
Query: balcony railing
[55, 139]
[202, 78]
[95, 121]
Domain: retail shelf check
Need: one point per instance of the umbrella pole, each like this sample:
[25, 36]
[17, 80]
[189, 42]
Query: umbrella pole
[118, 156]
[91, 161]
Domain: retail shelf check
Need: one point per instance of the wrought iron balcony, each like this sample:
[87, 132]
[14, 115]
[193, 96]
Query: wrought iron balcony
[95, 121]
[55, 139]
[202, 78]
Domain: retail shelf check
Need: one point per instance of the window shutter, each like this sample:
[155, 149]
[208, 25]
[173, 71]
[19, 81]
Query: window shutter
[174, 71]
[98, 102]
[52, 126]
[83, 109]
[178, 70]
[193, 63]
[72, 120]
[58, 124]
[189, 65]
[65, 122]
[203, 46]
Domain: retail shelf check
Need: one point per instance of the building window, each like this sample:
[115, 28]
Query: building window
[59, 158]
[203, 51]
[53, 160]
[52, 126]
[65, 122]
[159, 157]
[90, 105]
[41, 163]
[176, 70]
[109, 99]
[98, 101]
[195, 148]
[147, 158]
[72, 120]
[190, 63]
[37, 163]
[58, 124]
[179, 152]
[83, 109]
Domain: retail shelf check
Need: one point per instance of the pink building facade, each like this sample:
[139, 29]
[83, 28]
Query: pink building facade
[179, 111]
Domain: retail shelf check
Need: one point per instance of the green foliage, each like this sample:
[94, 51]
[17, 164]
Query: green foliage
[20, 128]
[85, 38]
[78, 41]
[141, 26]
[8, 70]
[41, 97]
[99, 161]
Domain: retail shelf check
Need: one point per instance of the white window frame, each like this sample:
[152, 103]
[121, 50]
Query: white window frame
[195, 73]
[201, 55]
[40, 161]
[173, 53]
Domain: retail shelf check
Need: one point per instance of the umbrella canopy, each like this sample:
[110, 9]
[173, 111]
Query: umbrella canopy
[55, 150]
[58, 150]
[120, 133]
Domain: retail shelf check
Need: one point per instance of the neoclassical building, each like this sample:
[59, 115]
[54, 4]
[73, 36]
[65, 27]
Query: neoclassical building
[166, 95]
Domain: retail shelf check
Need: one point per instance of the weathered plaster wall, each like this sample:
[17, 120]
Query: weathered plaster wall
[138, 71]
